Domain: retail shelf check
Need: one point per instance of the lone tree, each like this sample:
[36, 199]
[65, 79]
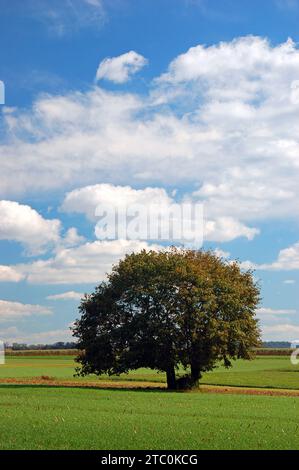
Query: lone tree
[167, 309]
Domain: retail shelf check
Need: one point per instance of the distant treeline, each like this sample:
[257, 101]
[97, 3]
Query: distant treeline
[44, 347]
[70, 345]
[276, 344]
[60, 348]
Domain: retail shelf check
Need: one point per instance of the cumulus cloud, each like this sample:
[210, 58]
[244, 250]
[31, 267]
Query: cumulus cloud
[270, 311]
[285, 331]
[14, 335]
[23, 224]
[240, 65]
[9, 274]
[70, 295]
[87, 263]
[72, 238]
[85, 201]
[221, 253]
[120, 69]
[224, 229]
[229, 132]
[277, 324]
[287, 260]
[13, 310]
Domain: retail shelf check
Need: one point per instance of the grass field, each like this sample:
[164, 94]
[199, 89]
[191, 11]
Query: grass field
[46, 417]
[60, 418]
[268, 371]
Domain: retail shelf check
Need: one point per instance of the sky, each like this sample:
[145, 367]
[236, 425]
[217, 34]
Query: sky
[122, 102]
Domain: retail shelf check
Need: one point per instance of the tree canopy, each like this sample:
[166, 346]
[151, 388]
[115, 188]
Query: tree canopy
[169, 309]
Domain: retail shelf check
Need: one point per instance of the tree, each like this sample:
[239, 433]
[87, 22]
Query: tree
[167, 309]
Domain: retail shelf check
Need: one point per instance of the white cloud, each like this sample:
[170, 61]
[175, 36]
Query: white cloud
[224, 229]
[23, 224]
[243, 84]
[229, 132]
[72, 238]
[270, 311]
[46, 337]
[13, 310]
[120, 69]
[9, 274]
[246, 265]
[280, 332]
[271, 317]
[88, 263]
[289, 281]
[243, 66]
[70, 295]
[287, 260]
[14, 335]
[85, 201]
[221, 253]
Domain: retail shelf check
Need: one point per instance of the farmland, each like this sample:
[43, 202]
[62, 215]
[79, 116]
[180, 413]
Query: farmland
[264, 371]
[61, 417]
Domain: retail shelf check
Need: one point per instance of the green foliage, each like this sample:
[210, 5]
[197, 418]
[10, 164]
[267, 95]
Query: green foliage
[165, 309]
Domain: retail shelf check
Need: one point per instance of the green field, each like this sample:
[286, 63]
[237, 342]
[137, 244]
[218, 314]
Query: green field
[46, 417]
[60, 418]
[267, 371]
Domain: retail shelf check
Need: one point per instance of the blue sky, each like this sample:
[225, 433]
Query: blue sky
[136, 101]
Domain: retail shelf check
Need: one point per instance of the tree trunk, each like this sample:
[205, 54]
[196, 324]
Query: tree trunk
[171, 380]
[195, 375]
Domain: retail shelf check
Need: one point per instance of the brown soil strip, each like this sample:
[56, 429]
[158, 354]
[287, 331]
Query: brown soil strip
[149, 385]
[249, 391]
[84, 384]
